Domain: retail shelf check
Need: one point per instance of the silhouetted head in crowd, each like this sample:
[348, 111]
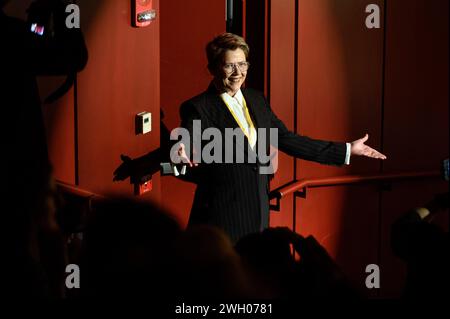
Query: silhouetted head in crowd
[208, 267]
[128, 250]
[33, 204]
[270, 259]
[37, 250]
[423, 245]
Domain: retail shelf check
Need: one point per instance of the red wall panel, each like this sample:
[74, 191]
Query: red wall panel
[120, 80]
[345, 221]
[60, 129]
[282, 72]
[417, 80]
[339, 98]
[416, 121]
[186, 27]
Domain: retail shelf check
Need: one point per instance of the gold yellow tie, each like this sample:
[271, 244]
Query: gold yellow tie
[251, 133]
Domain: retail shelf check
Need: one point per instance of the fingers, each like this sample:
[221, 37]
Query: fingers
[118, 177]
[370, 152]
[378, 155]
[183, 156]
[362, 140]
[178, 155]
[365, 138]
[125, 158]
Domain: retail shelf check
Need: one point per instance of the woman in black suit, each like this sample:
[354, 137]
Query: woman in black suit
[234, 194]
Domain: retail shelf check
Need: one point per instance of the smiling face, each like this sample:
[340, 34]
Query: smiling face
[232, 80]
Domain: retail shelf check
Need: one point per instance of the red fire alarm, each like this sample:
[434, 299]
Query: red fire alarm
[142, 13]
[142, 184]
[142, 188]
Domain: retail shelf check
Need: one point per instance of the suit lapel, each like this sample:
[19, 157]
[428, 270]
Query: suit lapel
[253, 108]
[218, 112]
[257, 112]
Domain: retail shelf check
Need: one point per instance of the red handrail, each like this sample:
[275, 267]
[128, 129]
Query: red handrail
[75, 190]
[302, 184]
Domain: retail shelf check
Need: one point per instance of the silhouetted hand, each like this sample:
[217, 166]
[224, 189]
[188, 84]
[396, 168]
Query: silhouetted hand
[290, 236]
[309, 248]
[138, 167]
[359, 148]
[125, 170]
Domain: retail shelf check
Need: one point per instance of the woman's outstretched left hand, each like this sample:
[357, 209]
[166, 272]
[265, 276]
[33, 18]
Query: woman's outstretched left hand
[359, 148]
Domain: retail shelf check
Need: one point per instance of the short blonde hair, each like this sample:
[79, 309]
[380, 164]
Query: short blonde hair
[215, 50]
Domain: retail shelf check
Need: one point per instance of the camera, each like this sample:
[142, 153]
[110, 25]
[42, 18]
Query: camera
[44, 16]
[37, 29]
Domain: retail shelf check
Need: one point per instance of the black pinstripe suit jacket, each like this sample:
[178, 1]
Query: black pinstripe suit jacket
[234, 196]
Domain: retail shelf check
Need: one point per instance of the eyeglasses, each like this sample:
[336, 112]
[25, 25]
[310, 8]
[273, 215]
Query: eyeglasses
[231, 67]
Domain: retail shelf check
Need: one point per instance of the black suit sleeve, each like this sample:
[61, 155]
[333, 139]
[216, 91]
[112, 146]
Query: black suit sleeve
[324, 152]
